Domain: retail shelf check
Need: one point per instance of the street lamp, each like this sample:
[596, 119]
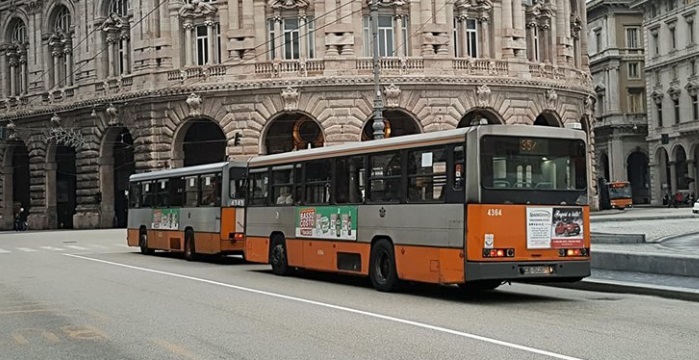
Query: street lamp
[378, 124]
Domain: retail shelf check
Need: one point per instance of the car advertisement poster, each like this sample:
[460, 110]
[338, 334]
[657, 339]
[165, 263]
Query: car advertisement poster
[166, 219]
[327, 222]
[554, 227]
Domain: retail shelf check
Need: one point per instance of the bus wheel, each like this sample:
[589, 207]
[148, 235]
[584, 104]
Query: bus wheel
[382, 267]
[189, 252]
[143, 243]
[278, 259]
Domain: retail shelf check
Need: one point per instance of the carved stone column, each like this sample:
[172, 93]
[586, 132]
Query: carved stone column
[14, 63]
[68, 51]
[111, 52]
[188, 28]
[278, 38]
[484, 21]
[23, 78]
[303, 36]
[398, 20]
[463, 32]
[212, 41]
[126, 57]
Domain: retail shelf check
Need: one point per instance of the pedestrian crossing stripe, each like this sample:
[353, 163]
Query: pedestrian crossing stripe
[77, 247]
[26, 249]
[2, 251]
[86, 247]
[52, 248]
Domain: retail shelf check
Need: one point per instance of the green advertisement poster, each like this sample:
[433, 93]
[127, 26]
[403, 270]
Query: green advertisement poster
[327, 222]
[166, 219]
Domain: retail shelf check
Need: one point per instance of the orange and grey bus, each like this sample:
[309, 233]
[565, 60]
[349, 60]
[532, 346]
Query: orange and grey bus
[192, 210]
[476, 207]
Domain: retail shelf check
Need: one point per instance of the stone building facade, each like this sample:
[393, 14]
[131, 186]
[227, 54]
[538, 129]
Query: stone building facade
[615, 48]
[672, 83]
[96, 90]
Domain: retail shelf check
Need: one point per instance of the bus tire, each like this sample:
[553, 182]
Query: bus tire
[143, 243]
[277, 256]
[382, 267]
[190, 253]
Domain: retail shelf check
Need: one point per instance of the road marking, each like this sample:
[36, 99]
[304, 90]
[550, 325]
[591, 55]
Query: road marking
[25, 249]
[52, 248]
[98, 246]
[340, 308]
[26, 311]
[177, 349]
[76, 247]
[2, 251]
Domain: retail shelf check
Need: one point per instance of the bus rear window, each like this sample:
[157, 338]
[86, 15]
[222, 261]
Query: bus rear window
[533, 163]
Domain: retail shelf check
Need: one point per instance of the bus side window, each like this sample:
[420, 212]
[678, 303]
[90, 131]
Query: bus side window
[427, 171]
[385, 178]
[191, 195]
[282, 186]
[147, 194]
[135, 195]
[176, 193]
[162, 198]
[210, 190]
[459, 168]
[258, 191]
[349, 180]
[318, 187]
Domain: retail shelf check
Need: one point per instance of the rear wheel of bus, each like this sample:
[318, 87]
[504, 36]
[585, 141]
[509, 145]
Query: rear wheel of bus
[189, 247]
[382, 266]
[277, 255]
[143, 243]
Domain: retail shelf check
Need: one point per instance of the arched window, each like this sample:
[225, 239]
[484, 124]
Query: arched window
[117, 36]
[202, 34]
[471, 29]
[17, 61]
[61, 47]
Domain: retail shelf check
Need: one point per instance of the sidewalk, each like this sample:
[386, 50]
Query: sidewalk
[643, 213]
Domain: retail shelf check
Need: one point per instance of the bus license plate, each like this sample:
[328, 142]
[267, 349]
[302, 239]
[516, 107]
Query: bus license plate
[537, 270]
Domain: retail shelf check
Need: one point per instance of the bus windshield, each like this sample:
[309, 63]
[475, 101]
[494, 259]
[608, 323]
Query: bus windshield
[525, 164]
[621, 191]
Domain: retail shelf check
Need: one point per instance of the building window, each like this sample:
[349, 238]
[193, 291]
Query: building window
[633, 71]
[690, 31]
[674, 72]
[656, 45]
[117, 38]
[659, 114]
[466, 35]
[670, 5]
[292, 35]
[695, 107]
[386, 36]
[17, 65]
[632, 41]
[635, 101]
[202, 52]
[600, 104]
[676, 105]
[673, 39]
[60, 44]
[598, 40]
[536, 49]
[692, 67]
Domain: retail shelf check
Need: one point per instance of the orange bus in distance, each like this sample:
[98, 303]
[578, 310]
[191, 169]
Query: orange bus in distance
[620, 195]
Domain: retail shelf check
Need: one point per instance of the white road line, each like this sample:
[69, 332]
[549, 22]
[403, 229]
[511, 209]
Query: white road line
[2, 251]
[342, 308]
[77, 247]
[25, 249]
[98, 246]
[52, 248]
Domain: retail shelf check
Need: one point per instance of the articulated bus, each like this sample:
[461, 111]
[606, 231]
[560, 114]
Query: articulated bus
[192, 210]
[476, 207]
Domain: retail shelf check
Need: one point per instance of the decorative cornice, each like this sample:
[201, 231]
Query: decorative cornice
[406, 82]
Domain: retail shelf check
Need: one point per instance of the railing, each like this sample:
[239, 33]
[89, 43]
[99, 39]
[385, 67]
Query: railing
[391, 63]
[481, 66]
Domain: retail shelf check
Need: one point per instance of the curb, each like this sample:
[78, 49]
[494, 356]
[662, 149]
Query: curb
[671, 264]
[611, 218]
[611, 238]
[673, 237]
[625, 287]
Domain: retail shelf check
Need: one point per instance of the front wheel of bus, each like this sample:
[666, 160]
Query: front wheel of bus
[280, 264]
[382, 268]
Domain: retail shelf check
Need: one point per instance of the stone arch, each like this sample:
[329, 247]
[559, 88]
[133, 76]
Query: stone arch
[15, 181]
[681, 169]
[17, 17]
[473, 116]
[397, 122]
[638, 175]
[548, 118]
[204, 133]
[604, 165]
[116, 164]
[105, 6]
[662, 162]
[290, 131]
[52, 11]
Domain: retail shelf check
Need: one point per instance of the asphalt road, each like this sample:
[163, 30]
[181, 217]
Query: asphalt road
[84, 295]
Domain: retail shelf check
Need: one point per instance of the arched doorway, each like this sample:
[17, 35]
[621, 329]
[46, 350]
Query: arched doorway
[16, 178]
[547, 118]
[681, 169]
[290, 132]
[204, 143]
[116, 165]
[396, 123]
[474, 117]
[604, 165]
[639, 177]
[66, 183]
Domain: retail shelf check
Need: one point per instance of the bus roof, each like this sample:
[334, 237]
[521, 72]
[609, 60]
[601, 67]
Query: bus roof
[189, 170]
[417, 140]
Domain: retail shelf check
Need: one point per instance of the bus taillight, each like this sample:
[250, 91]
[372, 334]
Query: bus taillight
[492, 253]
[573, 252]
[236, 236]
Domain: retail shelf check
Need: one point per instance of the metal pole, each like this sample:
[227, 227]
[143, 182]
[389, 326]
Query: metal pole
[378, 124]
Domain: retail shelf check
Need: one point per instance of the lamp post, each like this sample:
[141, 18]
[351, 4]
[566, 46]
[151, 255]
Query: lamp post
[378, 124]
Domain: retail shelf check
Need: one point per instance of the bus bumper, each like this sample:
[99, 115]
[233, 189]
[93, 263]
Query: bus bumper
[540, 271]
